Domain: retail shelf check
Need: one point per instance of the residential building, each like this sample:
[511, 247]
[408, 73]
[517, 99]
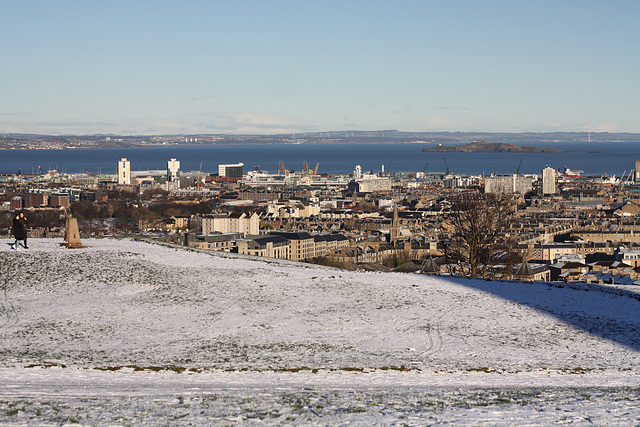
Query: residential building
[124, 172]
[173, 172]
[222, 242]
[628, 256]
[37, 199]
[547, 252]
[608, 236]
[548, 181]
[596, 251]
[326, 244]
[302, 245]
[614, 267]
[570, 258]
[270, 246]
[508, 184]
[59, 200]
[626, 209]
[235, 222]
[371, 185]
[182, 222]
[568, 271]
[370, 252]
[16, 203]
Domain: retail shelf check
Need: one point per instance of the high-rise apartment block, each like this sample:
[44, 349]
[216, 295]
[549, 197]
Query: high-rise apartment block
[548, 181]
[508, 184]
[124, 172]
[173, 170]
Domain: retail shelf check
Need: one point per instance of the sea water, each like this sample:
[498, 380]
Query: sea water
[612, 158]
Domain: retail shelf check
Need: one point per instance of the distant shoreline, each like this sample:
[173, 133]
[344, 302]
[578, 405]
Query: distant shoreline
[15, 141]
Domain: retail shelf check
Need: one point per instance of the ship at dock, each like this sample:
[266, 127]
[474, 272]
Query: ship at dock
[570, 173]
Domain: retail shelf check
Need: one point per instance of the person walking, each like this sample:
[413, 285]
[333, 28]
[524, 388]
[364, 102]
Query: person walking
[20, 230]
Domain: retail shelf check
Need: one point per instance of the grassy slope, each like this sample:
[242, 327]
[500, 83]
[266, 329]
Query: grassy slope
[118, 303]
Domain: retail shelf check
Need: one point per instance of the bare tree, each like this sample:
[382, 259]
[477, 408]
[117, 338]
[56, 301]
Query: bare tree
[478, 226]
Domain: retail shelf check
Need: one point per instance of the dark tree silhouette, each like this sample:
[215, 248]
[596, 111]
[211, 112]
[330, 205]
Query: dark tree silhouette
[478, 226]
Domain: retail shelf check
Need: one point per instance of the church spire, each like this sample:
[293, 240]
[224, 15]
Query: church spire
[395, 224]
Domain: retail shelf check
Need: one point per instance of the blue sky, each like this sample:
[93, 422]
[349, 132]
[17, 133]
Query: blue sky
[173, 67]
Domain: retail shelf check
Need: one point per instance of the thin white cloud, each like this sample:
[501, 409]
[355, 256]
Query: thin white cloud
[16, 114]
[450, 108]
[452, 122]
[602, 127]
[250, 122]
[218, 122]
[274, 123]
[590, 127]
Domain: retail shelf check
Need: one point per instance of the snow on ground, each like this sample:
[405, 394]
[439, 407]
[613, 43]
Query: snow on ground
[192, 336]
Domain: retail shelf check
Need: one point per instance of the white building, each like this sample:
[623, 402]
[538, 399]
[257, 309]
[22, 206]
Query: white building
[459, 181]
[370, 185]
[628, 256]
[548, 181]
[231, 170]
[173, 170]
[124, 172]
[357, 172]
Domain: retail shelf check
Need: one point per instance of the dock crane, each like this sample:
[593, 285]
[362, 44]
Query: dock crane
[389, 168]
[421, 174]
[306, 169]
[621, 184]
[281, 169]
[518, 170]
[629, 177]
[447, 165]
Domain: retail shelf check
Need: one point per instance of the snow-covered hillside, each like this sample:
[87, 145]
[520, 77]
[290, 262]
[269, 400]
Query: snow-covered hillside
[121, 310]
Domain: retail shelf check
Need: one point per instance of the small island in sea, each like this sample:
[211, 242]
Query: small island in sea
[491, 147]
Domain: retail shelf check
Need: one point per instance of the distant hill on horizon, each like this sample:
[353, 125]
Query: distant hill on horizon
[491, 147]
[15, 141]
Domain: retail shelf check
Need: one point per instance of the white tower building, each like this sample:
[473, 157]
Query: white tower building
[548, 181]
[173, 170]
[124, 172]
[357, 172]
[173, 174]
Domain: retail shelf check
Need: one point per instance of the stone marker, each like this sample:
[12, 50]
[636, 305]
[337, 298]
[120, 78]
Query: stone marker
[72, 234]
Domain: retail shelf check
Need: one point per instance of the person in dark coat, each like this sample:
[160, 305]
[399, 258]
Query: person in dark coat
[20, 229]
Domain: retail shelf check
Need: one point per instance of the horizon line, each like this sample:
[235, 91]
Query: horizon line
[319, 133]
